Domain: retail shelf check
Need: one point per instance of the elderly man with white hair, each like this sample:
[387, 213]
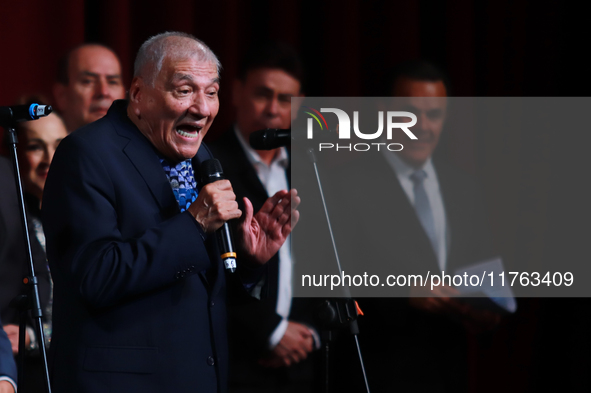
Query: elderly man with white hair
[139, 288]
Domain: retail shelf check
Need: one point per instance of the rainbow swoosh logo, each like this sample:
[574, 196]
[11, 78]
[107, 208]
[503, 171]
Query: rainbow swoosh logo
[315, 115]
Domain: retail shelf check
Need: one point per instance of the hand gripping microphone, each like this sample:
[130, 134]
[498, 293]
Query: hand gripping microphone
[9, 115]
[211, 171]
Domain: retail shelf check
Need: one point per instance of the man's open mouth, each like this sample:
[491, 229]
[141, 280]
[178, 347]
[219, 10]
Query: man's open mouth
[188, 131]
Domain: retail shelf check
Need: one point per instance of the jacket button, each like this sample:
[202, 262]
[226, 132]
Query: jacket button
[210, 360]
[211, 303]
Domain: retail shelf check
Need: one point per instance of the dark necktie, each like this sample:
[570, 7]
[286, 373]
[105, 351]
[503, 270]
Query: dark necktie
[423, 208]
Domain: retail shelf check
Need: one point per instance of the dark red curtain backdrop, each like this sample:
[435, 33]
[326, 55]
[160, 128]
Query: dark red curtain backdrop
[498, 48]
[489, 48]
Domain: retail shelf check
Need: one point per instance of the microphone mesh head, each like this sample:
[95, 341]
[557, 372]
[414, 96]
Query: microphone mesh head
[259, 140]
[211, 170]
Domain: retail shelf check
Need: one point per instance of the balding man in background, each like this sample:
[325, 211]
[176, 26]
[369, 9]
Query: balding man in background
[89, 80]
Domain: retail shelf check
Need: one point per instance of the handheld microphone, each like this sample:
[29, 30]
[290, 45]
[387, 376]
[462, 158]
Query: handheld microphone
[14, 114]
[211, 171]
[270, 139]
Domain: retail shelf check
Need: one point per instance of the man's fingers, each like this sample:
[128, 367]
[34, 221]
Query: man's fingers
[215, 205]
[228, 210]
[289, 223]
[295, 199]
[286, 207]
[295, 217]
[309, 344]
[248, 211]
[298, 353]
[280, 209]
[288, 355]
[305, 341]
[271, 202]
[222, 185]
[302, 330]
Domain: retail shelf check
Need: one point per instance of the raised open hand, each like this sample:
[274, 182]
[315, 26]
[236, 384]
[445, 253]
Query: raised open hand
[265, 232]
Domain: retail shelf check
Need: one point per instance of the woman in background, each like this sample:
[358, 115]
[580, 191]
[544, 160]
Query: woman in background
[37, 142]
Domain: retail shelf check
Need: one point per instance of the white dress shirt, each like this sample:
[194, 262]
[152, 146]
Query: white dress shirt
[273, 178]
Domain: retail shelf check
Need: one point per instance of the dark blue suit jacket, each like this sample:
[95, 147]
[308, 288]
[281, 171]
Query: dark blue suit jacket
[7, 365]
[139, 296]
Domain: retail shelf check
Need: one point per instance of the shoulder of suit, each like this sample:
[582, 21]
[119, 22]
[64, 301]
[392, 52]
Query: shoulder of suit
[227, 149]
[224, 142]
[106, 131]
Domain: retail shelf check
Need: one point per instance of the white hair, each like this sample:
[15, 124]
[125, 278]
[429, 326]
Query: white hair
[150, 57]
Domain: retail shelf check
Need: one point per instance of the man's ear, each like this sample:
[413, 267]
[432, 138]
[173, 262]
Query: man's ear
[136, 95]
[60, 96]
[135, 91]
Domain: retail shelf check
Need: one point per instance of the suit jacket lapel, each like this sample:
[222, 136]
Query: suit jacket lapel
[390, 202]
[242, 172]
[147, 164]
[142, 155]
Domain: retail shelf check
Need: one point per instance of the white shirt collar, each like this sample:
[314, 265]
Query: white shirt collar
[403, 169]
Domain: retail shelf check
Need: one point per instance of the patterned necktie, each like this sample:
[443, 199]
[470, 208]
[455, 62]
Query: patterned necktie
[182, 181]
[423, 208]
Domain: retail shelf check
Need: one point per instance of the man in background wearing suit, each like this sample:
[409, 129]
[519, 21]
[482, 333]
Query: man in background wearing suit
[418, 214]
[273, 360]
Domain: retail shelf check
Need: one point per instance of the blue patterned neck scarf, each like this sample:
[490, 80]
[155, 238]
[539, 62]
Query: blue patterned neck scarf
[182, 181]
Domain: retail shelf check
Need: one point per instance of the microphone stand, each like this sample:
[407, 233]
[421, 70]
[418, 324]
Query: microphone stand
[335, 314]
[31, 301]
